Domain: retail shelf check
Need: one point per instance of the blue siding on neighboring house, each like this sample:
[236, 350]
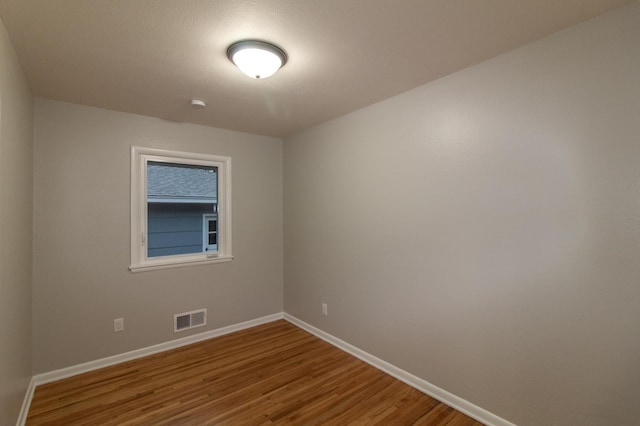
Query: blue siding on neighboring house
[175, 228]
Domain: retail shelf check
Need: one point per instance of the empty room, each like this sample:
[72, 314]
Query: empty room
[319, 212]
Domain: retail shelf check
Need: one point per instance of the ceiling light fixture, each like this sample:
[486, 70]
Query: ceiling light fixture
[257, 59]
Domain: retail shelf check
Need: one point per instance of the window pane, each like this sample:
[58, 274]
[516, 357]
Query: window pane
[213, 225]
[177, 197]
[213, 239]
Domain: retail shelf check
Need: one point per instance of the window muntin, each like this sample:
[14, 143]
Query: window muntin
[171, 195]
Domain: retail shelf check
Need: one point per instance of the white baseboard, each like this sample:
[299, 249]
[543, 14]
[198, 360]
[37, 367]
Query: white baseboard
[460, 404]
[434, 391]
[24, 411]
[52, 376]
[150, 350]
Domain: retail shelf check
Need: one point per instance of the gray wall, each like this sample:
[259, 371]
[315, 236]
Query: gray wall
[483, 231]
[81, 236]
[16, 159]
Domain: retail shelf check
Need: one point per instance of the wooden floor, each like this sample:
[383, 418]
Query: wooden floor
[271, 374]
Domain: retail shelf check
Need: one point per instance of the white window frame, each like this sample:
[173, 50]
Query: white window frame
[140, 156]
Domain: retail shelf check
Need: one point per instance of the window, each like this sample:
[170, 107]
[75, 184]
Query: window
[180, 209]
[210, 232]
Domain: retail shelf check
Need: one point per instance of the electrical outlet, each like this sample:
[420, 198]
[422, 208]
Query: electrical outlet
[118, 325]
[325, 311]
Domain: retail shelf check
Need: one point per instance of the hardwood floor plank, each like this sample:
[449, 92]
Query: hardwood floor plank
[273, 374]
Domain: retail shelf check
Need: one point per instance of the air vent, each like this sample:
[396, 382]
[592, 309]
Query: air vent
[188, 320]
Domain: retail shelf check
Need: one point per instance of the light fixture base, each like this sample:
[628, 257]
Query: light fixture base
[198, 103]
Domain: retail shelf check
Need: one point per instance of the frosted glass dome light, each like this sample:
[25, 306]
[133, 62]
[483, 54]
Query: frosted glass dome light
[257, 59]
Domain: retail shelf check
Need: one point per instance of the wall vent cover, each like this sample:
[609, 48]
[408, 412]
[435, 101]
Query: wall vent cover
[188, 320]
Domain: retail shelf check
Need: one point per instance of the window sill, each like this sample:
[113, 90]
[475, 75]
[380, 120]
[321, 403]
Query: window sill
[178, 264]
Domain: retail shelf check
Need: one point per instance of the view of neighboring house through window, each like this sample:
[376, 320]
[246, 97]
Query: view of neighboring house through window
[180, 209]
[182, 203]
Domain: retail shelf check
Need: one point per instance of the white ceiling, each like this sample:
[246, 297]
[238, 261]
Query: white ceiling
[151, 57]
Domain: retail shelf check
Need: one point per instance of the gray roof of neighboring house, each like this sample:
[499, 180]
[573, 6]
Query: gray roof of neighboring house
[179, 181]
